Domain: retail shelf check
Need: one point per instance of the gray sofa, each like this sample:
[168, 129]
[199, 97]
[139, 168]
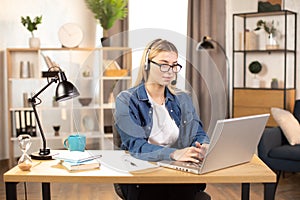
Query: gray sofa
[278, 154]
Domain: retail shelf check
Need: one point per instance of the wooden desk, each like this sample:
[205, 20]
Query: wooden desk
[48, 172]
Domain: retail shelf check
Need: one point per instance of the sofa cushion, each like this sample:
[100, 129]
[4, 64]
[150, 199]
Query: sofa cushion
[288, 123]
[286, 152]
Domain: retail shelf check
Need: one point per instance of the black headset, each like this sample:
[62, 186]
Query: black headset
[147, 63]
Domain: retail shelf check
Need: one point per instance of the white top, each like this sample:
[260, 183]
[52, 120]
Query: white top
[164, 130]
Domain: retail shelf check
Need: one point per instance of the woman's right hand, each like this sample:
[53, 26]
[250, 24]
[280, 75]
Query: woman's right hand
[192, 154]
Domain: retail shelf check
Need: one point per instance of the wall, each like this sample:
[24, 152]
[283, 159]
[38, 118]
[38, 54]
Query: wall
[13, 34]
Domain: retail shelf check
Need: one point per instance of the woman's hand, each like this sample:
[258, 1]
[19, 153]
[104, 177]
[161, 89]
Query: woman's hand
[193, 154]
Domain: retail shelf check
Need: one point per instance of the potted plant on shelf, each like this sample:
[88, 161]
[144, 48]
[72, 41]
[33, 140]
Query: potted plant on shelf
[255, 67]
[31, 26]
[270, 30]
[107, 12]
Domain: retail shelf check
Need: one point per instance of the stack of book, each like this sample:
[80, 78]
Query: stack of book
[76, 160]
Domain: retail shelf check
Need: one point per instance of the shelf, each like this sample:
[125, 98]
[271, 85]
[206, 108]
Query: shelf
[116, 78]
[265, 51]
[251, 88]
[281, 65]
[61, 137]
[264, 14]
[108, 106]
[70, 115]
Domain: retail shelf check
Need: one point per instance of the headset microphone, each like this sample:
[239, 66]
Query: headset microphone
[173, 82]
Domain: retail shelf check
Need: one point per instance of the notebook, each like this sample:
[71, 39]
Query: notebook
[234, 141]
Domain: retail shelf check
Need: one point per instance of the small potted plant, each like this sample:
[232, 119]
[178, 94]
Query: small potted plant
[274, 83]
[270, 30]
[31, 26]
[255, 67]
[107, 12]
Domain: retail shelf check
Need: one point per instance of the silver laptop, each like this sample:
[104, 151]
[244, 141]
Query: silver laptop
[234, 141]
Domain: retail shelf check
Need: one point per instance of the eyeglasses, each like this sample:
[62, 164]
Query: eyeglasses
[166, 67]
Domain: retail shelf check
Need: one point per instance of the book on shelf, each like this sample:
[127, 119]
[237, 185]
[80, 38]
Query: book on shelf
[87, 165]
[23, 122]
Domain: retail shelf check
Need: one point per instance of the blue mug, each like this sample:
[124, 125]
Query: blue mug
[75, 142]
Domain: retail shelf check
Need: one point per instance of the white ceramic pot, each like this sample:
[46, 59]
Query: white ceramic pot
[255, 83]
[34, 42]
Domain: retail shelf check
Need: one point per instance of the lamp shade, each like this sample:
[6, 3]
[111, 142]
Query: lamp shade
[65, 90]
[205, 44]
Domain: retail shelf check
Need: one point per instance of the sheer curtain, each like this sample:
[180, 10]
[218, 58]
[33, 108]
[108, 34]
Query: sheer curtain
[206, 71]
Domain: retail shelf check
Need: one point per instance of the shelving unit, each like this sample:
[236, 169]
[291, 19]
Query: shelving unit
[277, 63]
[85, 68]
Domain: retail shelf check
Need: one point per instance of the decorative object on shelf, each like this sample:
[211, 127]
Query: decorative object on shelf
[271, 31]
[25, 100]
[250, 42]
[54, 102]
[88, 123]
[112, 68]
[85, 101]
[65, 90]
[31, 26]
[107, 12]
[255, 67]
[270, 5]
[87, 72]
[25, 70]
[56, 129]
[70, 35]
[274, 83]
[25, 162]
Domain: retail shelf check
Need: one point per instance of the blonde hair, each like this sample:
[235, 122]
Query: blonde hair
[153, 49]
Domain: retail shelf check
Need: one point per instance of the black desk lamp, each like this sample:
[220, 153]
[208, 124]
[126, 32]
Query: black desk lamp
[206, 44]
[64, 91]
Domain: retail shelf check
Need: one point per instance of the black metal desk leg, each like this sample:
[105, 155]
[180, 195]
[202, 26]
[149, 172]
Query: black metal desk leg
[11, 190]
[46, 191]
[269, 191]
[245, 191]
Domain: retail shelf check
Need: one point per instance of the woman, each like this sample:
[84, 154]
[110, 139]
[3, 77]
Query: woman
[158, 122]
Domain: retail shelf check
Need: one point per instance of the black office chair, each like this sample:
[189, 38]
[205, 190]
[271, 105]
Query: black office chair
[117, 144]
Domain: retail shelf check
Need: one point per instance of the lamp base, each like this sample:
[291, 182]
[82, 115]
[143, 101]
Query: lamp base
[44, 154]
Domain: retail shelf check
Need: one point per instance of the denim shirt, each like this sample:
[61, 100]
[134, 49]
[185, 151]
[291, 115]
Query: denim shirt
[133, 121]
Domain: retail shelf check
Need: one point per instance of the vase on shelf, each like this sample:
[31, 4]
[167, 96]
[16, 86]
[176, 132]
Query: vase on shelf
[274, 83]
[34, 42]
[271, 42]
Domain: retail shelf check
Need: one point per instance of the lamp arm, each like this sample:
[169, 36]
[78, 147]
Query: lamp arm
[32, 101]
[53, 80]
[223, 50]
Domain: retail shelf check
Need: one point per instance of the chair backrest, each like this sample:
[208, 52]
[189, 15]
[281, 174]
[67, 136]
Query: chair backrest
[116, 137]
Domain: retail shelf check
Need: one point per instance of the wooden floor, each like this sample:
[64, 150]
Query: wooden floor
[288, 189]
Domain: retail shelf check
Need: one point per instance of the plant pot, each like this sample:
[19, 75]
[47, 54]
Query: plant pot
[271, 42]
[274, 84]
[34, 42]
[105, 41]
[255, 83]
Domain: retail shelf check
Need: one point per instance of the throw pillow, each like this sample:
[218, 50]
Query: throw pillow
[288, 124]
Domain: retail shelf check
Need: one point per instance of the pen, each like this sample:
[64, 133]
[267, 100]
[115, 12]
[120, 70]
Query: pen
[130, 162]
